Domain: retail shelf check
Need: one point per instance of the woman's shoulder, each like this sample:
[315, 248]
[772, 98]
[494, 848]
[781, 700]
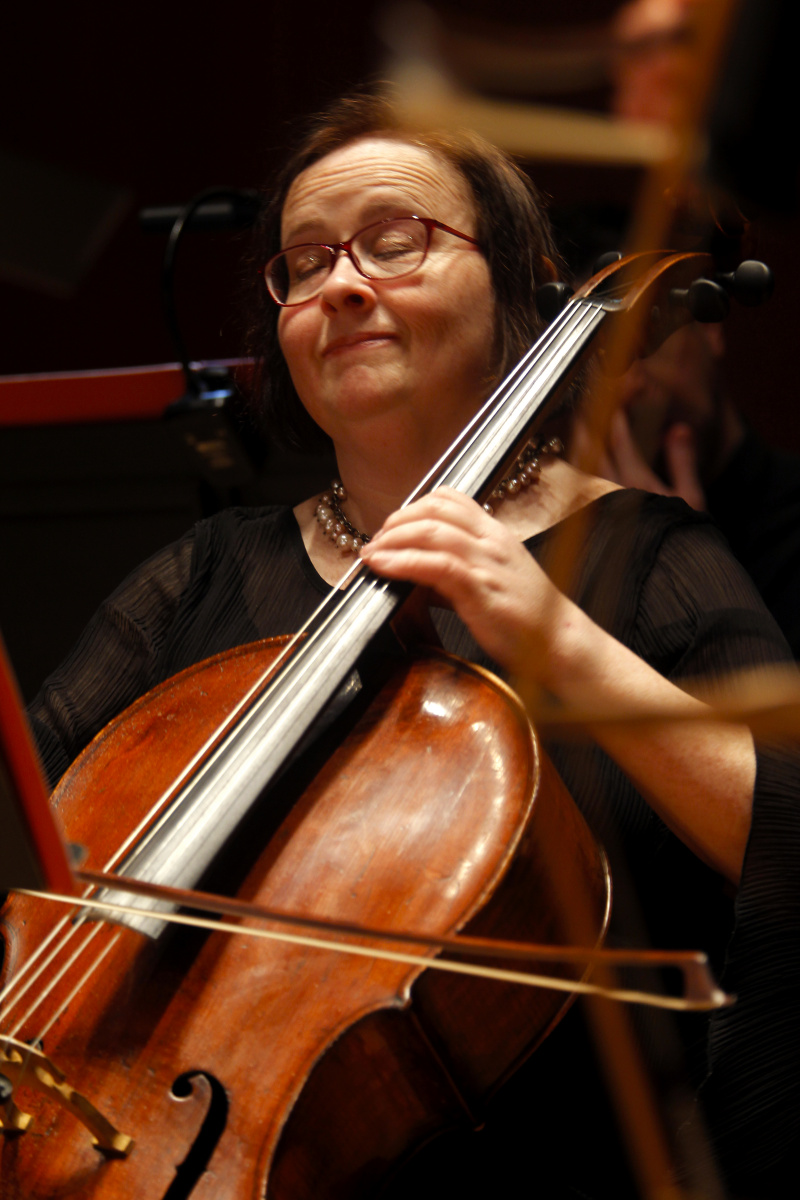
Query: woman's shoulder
[627, 549]
[596, 511]
[565, 495]
[266, 517]
[240, 529]
[648, 510]
[262, 546]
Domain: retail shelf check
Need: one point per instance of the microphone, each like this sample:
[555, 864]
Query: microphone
[238, 210]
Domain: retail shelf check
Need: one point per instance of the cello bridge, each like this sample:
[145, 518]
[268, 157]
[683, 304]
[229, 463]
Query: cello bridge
[24, 1065]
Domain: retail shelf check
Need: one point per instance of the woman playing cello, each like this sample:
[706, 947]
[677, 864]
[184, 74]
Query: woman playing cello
[398, 289]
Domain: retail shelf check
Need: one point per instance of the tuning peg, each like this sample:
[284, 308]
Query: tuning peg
[551, 298]
[706, 300]
[751, 283]
[606, 260]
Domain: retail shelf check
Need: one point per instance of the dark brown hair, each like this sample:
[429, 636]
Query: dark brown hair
[512, 230]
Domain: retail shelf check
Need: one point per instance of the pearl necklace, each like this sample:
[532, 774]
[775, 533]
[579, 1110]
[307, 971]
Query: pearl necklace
[349, 540]
[334, 523]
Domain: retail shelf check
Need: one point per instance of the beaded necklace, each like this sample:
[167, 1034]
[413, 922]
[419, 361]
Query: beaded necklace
[349, 540]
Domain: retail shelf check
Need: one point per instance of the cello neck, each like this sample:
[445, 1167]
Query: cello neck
[519, 406]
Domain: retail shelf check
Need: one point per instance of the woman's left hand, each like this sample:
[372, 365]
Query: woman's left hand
[447, 542]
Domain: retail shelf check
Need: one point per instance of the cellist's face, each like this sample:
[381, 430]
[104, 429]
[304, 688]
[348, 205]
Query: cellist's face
[417, 348]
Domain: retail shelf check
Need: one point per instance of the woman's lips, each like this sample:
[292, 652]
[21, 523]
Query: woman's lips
[353, 341]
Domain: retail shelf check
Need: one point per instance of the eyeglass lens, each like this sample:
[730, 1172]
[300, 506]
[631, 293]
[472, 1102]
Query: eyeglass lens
[381, 251]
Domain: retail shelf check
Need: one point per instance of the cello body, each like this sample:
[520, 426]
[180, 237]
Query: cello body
[245, 1068]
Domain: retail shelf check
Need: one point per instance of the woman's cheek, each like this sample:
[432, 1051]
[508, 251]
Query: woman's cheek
[288, 334]
[296, 336]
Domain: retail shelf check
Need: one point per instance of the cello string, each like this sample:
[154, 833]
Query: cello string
[82, 982]
[191, 829]
[31, 961]
[16, 990]
[54, 980]
[38, 1038]
[164, 798]
[579, 317]
[472, 432]
[59, 974]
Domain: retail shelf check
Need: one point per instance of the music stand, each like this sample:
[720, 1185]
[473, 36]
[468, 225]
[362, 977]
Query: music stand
[32, 850]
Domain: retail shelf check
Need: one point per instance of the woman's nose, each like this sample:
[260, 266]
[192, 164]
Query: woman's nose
[345, 285]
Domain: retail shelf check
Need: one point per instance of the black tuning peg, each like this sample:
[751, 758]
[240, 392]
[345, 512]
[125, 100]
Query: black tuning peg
[551, 298]
[750, 284]
[706, 300]
[606, 260]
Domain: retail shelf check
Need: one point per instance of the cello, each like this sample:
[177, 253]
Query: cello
[200, 1064]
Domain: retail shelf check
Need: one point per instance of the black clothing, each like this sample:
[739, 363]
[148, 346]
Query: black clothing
[659, 577]
[756, 503]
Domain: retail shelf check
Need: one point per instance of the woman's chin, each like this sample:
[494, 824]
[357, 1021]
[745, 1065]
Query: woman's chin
[361, 394]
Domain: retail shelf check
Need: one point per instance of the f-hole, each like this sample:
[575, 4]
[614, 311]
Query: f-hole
[208, 1135]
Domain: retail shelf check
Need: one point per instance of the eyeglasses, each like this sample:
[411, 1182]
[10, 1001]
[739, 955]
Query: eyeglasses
[387, 249]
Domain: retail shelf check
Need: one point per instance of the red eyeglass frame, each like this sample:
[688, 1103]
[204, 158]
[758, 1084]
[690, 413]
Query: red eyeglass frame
[337, 247]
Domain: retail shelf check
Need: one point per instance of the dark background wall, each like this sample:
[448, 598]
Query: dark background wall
[158, 100]
[111, 108]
